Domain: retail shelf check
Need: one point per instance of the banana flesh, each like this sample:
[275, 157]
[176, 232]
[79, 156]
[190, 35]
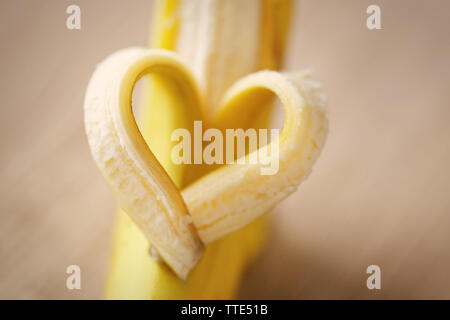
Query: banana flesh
[209, 40]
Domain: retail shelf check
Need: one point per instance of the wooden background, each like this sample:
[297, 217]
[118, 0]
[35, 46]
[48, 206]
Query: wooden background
[379, 194]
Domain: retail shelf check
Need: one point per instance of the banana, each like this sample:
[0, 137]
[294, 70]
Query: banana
[210, 37]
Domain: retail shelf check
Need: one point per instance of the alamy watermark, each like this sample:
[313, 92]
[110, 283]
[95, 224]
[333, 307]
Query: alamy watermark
[189, 150]
[73, 21]
[373, 21]
[73, 281]
[374, 280]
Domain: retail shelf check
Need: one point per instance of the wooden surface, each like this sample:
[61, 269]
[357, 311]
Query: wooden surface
[379, 194]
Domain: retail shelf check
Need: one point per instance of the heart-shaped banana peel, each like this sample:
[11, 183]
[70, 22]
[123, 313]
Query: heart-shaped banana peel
[177, 223]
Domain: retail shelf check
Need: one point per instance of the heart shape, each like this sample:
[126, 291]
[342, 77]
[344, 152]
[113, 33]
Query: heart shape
[177, 223]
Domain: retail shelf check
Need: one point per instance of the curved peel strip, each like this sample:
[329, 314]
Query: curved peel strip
[141, 185]
[234, 195]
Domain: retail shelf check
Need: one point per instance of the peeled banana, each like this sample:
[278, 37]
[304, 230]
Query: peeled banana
[217, 42]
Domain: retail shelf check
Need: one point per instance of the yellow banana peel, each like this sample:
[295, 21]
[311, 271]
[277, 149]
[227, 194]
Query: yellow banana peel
[216, 42]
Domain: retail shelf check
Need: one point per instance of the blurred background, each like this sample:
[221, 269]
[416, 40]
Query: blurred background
[379, 194]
